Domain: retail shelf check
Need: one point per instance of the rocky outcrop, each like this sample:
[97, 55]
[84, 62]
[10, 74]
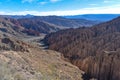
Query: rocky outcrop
[101, 67]
[12, 44]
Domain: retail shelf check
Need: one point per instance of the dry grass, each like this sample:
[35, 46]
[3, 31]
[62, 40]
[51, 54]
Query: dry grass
[36, 65]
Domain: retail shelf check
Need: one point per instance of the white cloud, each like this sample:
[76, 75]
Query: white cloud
[29, 1]
[93, 4]
[94, 10]
[49, 1]
[43, 3]
[106, 1]
[54, 1]
[40, 1]
[110, 1]
[2, 12]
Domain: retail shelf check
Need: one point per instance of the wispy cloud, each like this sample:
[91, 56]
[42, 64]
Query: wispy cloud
[93, 4]
[49, 1]
[53, 1]
[3, 13]
[29, 1]
[106, 1]
[94, 10]
[110, 1]
[43, 3]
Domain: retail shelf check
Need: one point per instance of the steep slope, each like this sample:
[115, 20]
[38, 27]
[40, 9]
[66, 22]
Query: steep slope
[36, 65]
[10, 26]
[7, 27]
[38, 25]
[95, 50]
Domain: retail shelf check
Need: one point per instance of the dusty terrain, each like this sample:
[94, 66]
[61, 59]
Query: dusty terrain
[22, 58]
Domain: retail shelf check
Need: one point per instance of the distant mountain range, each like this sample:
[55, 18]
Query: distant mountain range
[91, 17]
[63, 22]
[35, 25]
[94, 17]
[17, 16]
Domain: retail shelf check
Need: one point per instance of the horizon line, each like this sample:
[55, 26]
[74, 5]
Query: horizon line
[59, 15]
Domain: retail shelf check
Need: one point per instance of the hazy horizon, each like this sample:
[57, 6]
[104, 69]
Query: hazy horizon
[59, 7]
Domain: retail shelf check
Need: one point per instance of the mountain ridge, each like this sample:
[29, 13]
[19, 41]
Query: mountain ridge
[64, 22]
[98, 17]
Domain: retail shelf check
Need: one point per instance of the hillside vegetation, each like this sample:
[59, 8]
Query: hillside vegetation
[94, 50]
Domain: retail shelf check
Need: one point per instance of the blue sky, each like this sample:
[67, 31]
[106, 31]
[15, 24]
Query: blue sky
[59, 7]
